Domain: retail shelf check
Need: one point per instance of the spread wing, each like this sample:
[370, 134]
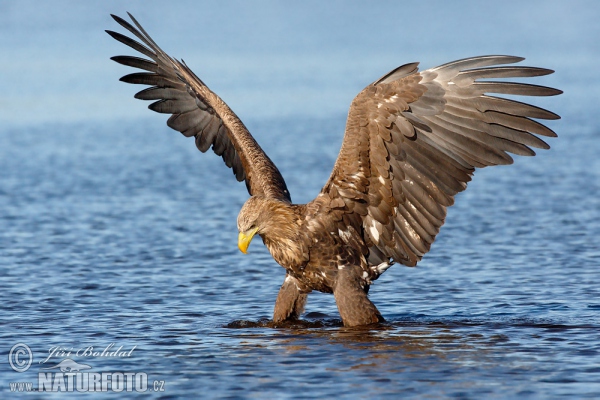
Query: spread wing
[198, 112]
[413, 140]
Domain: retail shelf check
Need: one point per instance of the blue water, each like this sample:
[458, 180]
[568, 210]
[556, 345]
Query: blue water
[116, 230]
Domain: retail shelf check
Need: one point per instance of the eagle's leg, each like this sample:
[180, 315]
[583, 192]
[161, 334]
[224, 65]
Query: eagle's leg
[290, 301]
[350, 294]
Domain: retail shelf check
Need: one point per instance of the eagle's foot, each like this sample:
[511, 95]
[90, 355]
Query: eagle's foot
[350, 294]
[290, 301]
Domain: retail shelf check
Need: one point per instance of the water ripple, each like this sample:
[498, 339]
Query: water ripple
[111, 238]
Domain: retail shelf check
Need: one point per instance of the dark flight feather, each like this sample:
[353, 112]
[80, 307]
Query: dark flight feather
[197, 111]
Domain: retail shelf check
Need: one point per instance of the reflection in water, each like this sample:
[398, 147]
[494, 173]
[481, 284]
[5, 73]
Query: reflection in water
[390, 347]
[435, 350]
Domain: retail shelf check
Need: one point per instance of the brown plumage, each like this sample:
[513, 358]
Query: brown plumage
[413, 140]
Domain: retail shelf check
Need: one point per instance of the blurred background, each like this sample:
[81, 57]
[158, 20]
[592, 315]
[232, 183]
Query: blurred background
[271, 58]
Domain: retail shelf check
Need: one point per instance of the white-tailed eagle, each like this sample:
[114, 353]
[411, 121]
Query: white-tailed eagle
[412, 142]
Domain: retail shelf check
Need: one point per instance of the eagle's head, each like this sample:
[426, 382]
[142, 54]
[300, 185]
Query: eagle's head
[251, 219]
[267, 217]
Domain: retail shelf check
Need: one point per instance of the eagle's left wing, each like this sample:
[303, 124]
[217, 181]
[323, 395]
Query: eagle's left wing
[413, 140]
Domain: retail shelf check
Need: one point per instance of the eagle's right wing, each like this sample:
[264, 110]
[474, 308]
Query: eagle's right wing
[198, 112]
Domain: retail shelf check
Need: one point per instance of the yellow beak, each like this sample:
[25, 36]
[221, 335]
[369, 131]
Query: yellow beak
[244, 239]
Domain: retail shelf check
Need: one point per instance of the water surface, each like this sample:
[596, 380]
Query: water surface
[123, 234]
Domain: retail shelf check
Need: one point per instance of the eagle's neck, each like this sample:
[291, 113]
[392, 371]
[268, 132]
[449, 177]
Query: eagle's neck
[282, 232]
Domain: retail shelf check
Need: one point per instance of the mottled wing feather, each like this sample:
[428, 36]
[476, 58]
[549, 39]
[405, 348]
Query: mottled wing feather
[413, 141]
[198, 112]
